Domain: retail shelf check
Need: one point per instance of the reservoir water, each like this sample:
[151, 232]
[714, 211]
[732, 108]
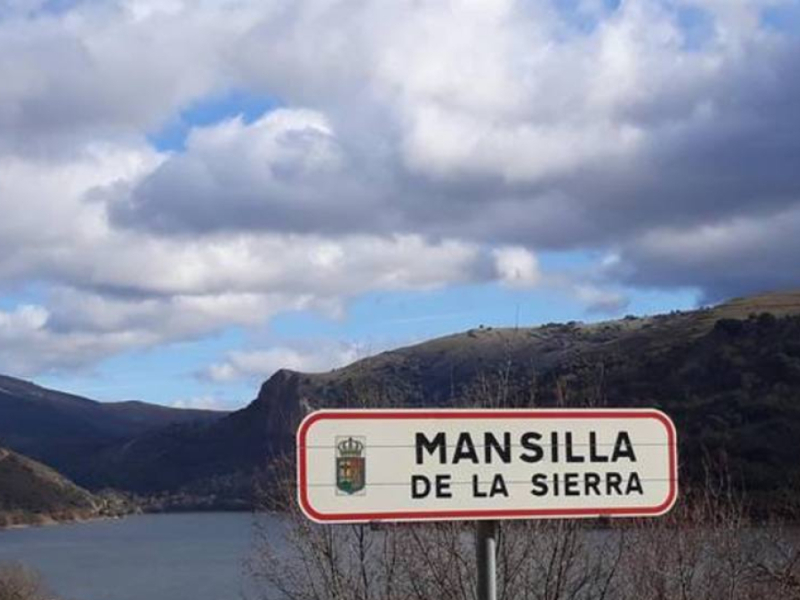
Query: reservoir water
[192, 556]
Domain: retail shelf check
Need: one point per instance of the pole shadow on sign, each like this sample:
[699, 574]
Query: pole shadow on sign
[413, 465]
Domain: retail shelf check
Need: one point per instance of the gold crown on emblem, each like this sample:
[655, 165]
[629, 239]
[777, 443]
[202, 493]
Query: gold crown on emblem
[350, 448]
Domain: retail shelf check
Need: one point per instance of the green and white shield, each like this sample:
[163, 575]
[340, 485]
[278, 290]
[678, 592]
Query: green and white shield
[350, 465]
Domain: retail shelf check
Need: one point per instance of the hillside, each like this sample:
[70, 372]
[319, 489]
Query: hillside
[31, 493]
[62, 430]
[729, 376]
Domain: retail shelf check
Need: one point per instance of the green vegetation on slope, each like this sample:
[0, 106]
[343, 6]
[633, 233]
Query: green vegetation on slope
[31, 493]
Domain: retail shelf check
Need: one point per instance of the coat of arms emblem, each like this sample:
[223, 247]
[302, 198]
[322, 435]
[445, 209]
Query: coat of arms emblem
[350, 465]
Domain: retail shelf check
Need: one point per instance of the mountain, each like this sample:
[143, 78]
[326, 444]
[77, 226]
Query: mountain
[204, 458]
[31, 493]
[64, 430]
[729, 376]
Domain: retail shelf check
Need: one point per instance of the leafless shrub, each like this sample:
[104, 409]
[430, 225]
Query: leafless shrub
[296, 559]
[710, 548]
[557, 560]
[776, 572]
[699, 550]
[18, 582]
[707, 548]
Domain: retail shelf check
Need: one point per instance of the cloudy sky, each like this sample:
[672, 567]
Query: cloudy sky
[194, 193]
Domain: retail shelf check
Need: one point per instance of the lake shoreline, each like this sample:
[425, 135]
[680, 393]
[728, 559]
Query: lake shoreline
[600, 523]
[35, 520]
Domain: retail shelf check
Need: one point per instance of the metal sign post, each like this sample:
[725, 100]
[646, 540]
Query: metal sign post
[486, 546]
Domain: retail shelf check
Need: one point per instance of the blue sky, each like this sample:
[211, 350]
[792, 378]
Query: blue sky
[195, 195]
[228, 104]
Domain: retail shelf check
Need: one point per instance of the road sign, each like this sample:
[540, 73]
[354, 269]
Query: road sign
[417, 465]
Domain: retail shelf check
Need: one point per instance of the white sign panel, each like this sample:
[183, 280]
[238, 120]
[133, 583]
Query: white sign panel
[416, 465]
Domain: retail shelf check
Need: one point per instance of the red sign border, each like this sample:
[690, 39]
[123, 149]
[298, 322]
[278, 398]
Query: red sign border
[542, 513]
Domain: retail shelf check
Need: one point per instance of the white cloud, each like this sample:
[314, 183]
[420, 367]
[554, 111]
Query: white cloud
[25, 318]
[260, 364]
[756, 253]
[114, 69]
[29, 345]
[600, 300]
[49, 208]
[199, 402]
[517, 266]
